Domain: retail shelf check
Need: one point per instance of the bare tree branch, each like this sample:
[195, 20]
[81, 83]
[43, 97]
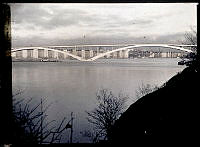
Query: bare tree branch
[32, 125]
[109, 108]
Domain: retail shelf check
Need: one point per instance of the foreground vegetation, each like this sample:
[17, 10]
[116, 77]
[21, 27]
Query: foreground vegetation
[31, 124]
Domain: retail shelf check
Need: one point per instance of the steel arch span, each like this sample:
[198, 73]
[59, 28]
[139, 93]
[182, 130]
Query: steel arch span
[49, 49]
[141, 45]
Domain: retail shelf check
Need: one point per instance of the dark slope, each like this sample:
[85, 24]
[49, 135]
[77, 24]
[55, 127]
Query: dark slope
[166, 116]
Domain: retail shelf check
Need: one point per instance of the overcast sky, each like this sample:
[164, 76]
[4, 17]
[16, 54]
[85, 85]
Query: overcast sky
[70, 24]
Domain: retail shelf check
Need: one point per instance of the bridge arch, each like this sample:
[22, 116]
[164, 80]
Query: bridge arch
[138, 45]
[49, 49]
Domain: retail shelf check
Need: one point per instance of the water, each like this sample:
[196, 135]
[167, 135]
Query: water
[72, 85]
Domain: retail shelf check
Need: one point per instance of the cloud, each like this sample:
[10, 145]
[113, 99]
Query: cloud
[59, 23]
[29, 13]
[36, 15]
[100, 39]
[39, 16]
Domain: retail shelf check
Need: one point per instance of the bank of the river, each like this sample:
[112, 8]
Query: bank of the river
[168, 116]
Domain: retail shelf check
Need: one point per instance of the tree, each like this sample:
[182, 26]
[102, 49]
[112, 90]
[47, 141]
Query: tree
[92, 135]
[144, 90]
[191, 38]
[31, 126]
[108, 110]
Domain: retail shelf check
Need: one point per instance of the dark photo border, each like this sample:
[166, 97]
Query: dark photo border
[6, 61]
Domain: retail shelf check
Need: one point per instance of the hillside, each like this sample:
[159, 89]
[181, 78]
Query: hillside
[166, 116]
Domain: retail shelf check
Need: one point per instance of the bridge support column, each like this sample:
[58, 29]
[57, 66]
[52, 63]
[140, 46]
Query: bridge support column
[98, 51]
[24, 53]
[74, 52]
[65, 55]
[13, 54]
[126, 53]
[91, 53]
[114, 55]
[45, 53]
[35, 53]
[83, 54]
[168, 55]
[55, 55]
[107, 56]
[179, 55]
[164, 55]
[120, 54]
[151, 55]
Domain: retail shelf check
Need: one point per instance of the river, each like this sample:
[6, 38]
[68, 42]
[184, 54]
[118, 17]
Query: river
[71, 86]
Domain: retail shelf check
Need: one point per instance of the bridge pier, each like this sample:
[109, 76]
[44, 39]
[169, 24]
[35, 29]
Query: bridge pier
[120, 54]
[35, 53]
[45, 53]
[74, 52]
[91, 53]
[169, 54]
[107, 56]
[179, 55]
[126, 53]
[114, 55]
[65, 55]
[98, 51]
[55, 55]
[83, 54]
[164, 55]
[13, 54]
[152, 55]
[24, 53]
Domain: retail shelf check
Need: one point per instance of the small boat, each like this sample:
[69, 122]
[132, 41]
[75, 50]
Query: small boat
[44, 60]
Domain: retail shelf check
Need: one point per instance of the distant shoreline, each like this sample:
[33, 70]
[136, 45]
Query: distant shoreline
[14, 60]
[47, 60]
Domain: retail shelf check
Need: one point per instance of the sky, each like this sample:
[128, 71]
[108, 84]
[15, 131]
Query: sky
[45, 24]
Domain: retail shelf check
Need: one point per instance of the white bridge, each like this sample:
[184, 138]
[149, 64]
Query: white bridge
[86, 52]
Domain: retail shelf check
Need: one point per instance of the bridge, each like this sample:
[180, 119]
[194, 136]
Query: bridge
[87, 52]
